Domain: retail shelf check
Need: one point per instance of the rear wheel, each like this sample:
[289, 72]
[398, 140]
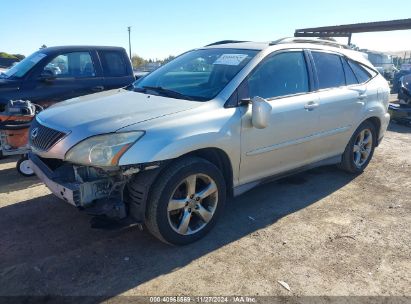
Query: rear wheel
[185, 201]
[360, 148]
[23, 167]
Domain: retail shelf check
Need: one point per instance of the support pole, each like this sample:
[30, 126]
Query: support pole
[129, 41]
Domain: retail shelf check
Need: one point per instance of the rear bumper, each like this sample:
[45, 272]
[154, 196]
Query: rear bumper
[384, 125]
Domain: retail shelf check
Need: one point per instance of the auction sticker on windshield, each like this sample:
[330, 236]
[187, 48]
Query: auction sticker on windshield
[230, 59]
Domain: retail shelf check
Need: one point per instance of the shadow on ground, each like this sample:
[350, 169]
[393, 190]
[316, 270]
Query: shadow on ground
[48, 247]
[10, 179]
[399, 128]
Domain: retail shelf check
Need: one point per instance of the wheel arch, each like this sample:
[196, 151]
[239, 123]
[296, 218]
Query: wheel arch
[141, 184]
[376, 123]
[220, 159]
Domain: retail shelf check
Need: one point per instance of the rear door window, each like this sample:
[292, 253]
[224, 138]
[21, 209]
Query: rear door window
[113, 63]
[329, 68]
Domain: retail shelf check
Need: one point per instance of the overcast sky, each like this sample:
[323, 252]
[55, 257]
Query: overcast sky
[162, 28]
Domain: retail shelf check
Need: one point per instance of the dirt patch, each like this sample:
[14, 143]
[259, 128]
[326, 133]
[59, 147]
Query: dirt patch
[323, 232]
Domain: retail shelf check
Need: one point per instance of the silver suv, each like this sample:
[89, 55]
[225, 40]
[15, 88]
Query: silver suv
[168, 150]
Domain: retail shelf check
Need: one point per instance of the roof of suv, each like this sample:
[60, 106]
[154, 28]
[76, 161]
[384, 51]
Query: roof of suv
[287, 43]
[245, 45]
[287, 40]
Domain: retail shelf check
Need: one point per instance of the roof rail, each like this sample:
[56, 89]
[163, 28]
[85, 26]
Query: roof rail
[225, 42]
[310, 40]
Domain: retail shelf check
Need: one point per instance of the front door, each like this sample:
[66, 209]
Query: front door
[282, 79]
[72, 74]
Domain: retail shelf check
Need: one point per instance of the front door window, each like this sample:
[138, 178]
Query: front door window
[280, 75]
[75, 64]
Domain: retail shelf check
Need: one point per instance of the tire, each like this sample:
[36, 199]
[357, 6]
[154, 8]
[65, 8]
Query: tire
[168, 225]
[23, 168]
[358, 154]
[1, 152]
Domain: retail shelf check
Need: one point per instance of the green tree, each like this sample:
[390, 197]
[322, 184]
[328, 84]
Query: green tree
[136, 61]
[20, 57]
[6, 55]
[168, 59]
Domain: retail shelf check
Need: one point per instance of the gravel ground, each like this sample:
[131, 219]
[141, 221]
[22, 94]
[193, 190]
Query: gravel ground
[324, 232]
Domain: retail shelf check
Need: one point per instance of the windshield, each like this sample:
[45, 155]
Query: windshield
[196, 75]
[20, 69]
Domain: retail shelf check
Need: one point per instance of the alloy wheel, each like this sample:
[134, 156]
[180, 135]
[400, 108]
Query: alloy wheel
[362, 147]
[192, 204]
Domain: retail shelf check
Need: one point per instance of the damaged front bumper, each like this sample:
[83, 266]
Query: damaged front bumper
[98, 191]
[77, 185]
[400, 113]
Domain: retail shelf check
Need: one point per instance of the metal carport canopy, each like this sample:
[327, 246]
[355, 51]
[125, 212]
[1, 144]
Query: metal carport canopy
[348, 29]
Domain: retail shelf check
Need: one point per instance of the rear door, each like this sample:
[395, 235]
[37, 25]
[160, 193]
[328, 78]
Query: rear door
[341, 100]
[116, 69]
[72, 74]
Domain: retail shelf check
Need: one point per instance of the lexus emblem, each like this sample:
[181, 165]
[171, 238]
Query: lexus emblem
[34, 133]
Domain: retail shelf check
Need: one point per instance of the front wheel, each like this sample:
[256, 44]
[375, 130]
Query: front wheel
[360, 148]
[186, 201]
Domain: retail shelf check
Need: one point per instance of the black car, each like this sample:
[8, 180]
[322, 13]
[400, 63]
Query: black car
[54, 74]
[396, 86]
[404, 93]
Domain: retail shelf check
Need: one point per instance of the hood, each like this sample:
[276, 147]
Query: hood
[110, 111]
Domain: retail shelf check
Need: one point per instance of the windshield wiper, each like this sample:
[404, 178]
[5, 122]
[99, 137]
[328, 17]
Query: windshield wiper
[168, 93]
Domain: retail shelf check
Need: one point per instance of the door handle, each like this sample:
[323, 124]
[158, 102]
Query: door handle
[97, 89]
[311, 106]
[362, 96]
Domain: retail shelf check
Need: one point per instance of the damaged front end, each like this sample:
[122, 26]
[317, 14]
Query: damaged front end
[97, 191]
[404, 94]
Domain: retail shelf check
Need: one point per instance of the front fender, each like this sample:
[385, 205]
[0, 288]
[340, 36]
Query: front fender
[171, 139]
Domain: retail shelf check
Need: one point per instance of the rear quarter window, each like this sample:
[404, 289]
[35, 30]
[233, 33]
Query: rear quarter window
[114, 64]
[362, 73]
[350, 77]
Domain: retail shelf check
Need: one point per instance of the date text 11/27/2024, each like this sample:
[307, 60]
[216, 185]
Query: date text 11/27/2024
[202, 299]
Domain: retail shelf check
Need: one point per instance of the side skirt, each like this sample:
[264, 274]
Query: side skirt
[248, 186]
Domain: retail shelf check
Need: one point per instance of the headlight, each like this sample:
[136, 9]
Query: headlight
[103, 150]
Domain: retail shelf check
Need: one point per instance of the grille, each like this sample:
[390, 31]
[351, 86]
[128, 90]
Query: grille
[43, 138]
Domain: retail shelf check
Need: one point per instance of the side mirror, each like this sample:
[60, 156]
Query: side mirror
[261, 112]
[47, 76]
